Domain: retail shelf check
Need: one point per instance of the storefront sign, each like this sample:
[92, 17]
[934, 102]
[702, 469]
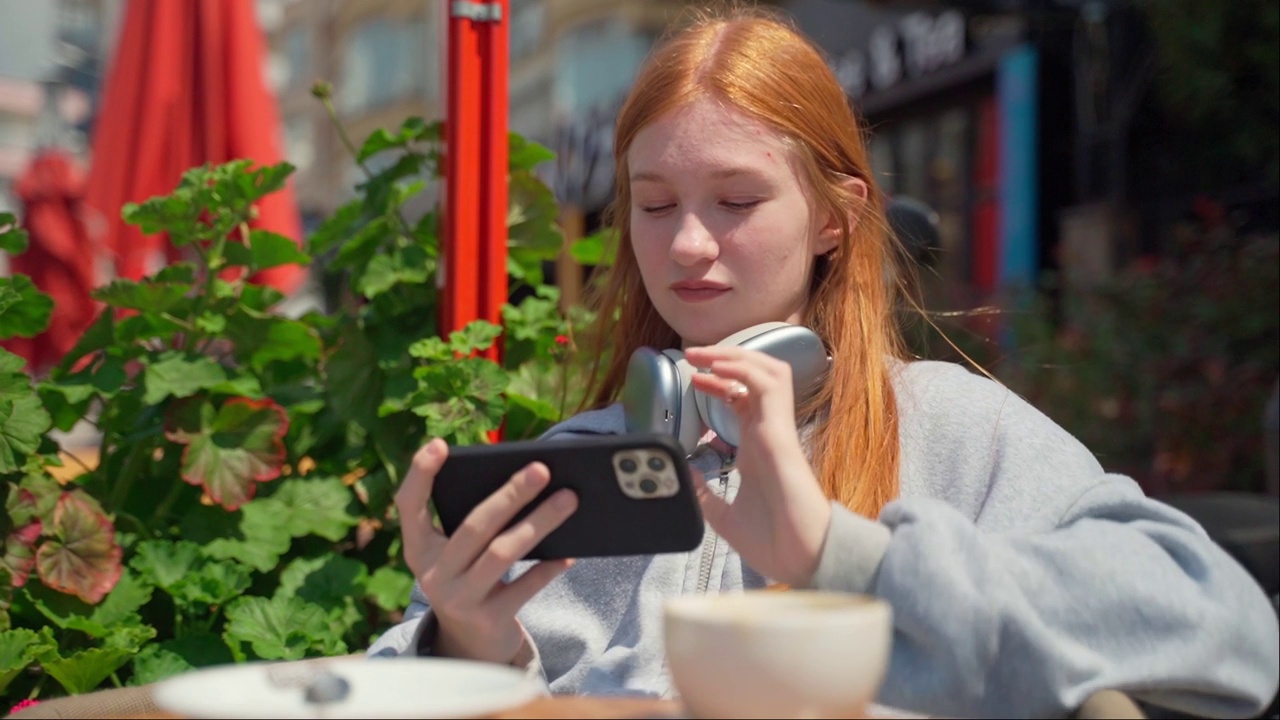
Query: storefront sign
[909, 47]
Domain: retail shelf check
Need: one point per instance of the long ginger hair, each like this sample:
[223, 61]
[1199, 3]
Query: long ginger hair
[767, 70]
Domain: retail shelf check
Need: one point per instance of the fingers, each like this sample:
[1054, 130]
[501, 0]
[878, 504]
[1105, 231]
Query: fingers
[487, 519]
[512, 545]
[421, 540]
[764, 377]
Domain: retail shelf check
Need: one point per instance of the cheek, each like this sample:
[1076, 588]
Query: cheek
[648, 246]
[776, 243]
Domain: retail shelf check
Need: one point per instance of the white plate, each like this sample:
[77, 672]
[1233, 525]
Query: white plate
[377, 687]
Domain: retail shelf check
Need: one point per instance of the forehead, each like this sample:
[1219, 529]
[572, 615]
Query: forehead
[707, 136]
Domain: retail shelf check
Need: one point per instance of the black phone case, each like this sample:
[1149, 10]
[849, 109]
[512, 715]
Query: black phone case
[607, 521]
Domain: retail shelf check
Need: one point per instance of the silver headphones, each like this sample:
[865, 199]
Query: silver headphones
[657, 395]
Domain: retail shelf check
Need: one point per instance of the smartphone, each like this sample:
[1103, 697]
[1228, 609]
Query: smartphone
[635, 492]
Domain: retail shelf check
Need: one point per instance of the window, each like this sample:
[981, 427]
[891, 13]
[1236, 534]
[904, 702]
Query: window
[388, 59]
[299, 141]
[297, 54]
[596, 64]
[528, 26]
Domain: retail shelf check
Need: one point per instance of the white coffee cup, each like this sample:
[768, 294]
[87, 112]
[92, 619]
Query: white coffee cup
[792, 654]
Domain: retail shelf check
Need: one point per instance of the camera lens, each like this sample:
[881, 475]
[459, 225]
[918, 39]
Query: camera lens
[648, 486]
[628, 465]
[657, 464]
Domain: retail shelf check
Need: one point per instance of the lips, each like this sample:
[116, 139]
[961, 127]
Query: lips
[698, 290]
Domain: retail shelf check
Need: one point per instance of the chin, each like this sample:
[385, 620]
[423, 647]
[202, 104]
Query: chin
[700, 336]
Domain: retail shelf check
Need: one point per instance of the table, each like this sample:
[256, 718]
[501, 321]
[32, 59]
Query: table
[564, 706]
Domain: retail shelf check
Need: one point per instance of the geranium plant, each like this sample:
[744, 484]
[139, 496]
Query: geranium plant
[239, 506]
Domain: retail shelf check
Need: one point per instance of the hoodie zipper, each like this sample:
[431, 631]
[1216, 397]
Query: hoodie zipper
[709, 548]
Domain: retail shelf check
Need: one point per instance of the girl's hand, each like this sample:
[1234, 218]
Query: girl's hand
[778, 521]
[462, 575]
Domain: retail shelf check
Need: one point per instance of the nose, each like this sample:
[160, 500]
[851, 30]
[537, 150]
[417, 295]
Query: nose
[693, 242]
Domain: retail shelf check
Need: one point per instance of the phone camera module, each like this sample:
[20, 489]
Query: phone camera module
[646, 473]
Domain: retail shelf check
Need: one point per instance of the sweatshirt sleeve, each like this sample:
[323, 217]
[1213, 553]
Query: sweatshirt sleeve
[1082, 585]
[414, 636]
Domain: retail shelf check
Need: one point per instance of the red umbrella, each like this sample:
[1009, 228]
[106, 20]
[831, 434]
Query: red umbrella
[59, 258]
[185, 88]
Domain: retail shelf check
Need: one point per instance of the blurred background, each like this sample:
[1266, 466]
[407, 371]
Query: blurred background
[1098, 179]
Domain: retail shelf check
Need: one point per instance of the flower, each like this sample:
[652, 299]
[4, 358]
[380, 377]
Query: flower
[23, 705]
[562, 339]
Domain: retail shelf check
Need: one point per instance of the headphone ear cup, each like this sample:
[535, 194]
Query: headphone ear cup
[689, 428]
[719, 417]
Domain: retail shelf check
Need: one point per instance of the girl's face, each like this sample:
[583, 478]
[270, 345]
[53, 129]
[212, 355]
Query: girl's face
[721, 224]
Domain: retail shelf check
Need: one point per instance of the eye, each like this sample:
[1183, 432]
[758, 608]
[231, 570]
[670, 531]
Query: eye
[740, 206]
[656, 209]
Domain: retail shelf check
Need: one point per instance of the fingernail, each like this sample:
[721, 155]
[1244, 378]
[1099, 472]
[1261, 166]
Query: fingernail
[563, 500]
[433, 447]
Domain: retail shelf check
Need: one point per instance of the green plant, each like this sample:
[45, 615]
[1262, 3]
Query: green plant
[1163, 372]
[241, 505]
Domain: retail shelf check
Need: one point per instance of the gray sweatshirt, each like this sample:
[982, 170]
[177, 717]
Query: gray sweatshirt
[1022, 577]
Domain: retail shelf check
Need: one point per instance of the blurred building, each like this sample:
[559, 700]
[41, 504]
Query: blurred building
[51, 55]
[571, 61]
[952, 95]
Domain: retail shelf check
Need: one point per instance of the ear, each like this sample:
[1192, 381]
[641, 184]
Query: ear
[829, 234]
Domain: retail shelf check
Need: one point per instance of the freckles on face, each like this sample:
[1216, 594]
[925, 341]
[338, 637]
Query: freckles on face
[720, 222]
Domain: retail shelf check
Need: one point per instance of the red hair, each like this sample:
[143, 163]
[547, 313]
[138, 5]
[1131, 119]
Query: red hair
[767, 70]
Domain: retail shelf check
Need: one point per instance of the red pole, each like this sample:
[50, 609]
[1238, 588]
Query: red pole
[460, 303]
[493, 192]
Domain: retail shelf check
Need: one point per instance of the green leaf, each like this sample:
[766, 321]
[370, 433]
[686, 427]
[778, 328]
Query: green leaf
[335, 228]
[8, 296]
[270, 249]
[326, 580]
[211, 323]
[353, 379]
[281, 628]
[316, 506]
[477, 335]
[409, 264]
[23, 420]
[597, 249]
[528, 417]
[165, 562]
[20, 647]
[183, 571]
[228, 454]
[432, 349]
[263, 341]
[68, 398]
[13, 237]
[179, 272]
[413, 129]
[146, 296]
[122, 604]
[28, 314]
[158, 661]
[260, 298]
[332, 582]
[129, 636]
[84, 671]
[253, 535]
[180, 376]
[533, 217]
[389, 587]
[525, 154]
[82, 557]
[216, 583]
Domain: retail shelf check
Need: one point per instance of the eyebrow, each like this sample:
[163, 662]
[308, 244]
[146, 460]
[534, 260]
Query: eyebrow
[721, 174]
